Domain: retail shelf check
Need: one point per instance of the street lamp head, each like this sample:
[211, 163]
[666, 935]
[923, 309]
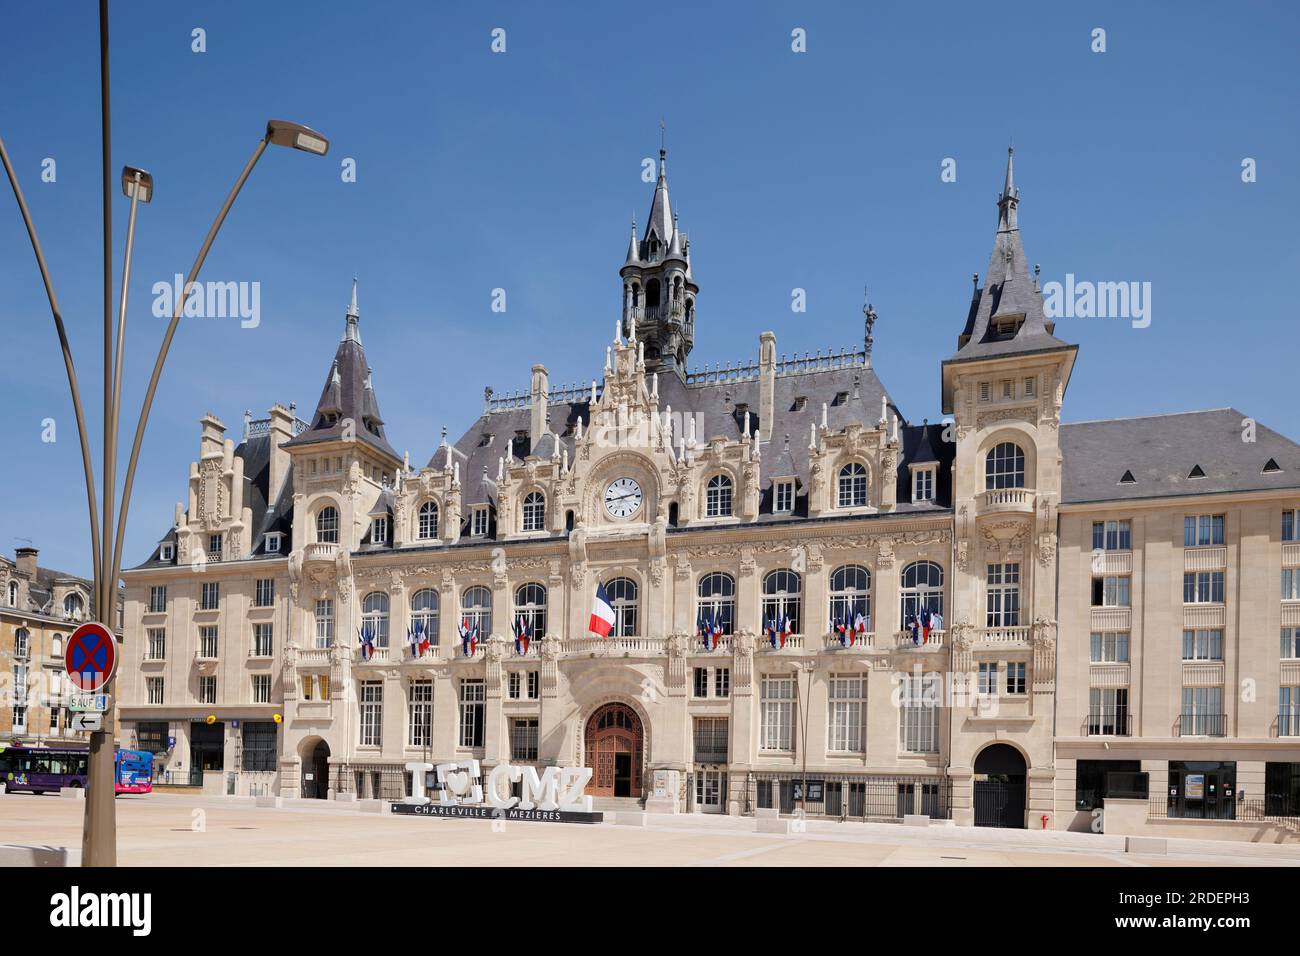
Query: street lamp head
[137, 183]
[284, 133]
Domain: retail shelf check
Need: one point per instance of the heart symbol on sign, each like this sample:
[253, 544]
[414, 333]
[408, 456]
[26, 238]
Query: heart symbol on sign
[458, 783]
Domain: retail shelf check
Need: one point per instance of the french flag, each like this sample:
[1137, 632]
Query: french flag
[925, 625]
[602, 612]
[521, 636]
[367, 643]
[717, 629]
[914, 628]
[468, 637]
[860, 625]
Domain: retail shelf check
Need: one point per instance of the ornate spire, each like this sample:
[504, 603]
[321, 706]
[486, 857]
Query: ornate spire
[1010, 197]
[352, 325]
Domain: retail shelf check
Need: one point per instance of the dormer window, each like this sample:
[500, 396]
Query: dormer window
[167, 552]
[1006, 326]
[478, 527]
[273, 542]
[214, 547]
[783, 496]
[485, 439]
[800, 403]
[923, 484]
[379, 530]
[840, 398]
[1196, 472]
[1271, 466]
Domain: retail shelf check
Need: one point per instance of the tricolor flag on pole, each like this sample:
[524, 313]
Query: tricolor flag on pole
[602, 612]
[914, 628]
[417, 638]
[521, 636]
[860, 625]
[925, 625]
[367, 642]
[468, 637]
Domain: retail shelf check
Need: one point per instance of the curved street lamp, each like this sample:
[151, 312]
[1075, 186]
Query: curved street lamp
[99, 837]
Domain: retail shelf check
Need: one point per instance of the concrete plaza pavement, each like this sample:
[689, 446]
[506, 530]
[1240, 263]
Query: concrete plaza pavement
[175, 830]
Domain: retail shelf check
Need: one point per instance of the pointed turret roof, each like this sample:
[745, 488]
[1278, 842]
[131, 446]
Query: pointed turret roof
[349, 394]
[661, 211]
[1008, 293]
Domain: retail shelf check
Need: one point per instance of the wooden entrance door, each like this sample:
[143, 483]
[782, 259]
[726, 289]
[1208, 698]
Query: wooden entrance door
[613, 746]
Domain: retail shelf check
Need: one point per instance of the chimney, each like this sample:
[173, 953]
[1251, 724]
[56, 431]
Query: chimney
[212, 440]
[25, 558]
[766, 384]
[281, 431]
[537, 420]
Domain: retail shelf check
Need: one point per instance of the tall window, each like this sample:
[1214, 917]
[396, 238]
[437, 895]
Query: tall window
[476, 608]
[918, 716]
[1291, 642]
[1111, 591]
[259, 751]
[72, 606]
[1291, 584]
[157, 647]
[923, 484]
[1112, 536]
[263, 640]
[783, 496]
[1202, 712]
[372, 713]
[215, 547]
[379, 530]
[711, 739]
[988, 678]
[327, 525]
[210, 596]
[853, 486]
[1004, 466]
[208, 690]
[1109, 647]
[776, 713]
[427, 521]
[851, 594]
[848, 702]
[1203, 644]
[13, 593]
[1016, 683]
[473, 711]
[523, 738]
[783, 595]
[922, 589]
[478, 527]
[717, 497]
[623, 595]
[717, 594]
[1202, 530]
[1203, 587]
[153, 687]
[157, 599]
[325, 622]
[1290, 526]
[424, 612]
[22, 643]
[530, 604]
[374, 616]
[534, 511]
[1108, 711]
[1288, 712]
[264, 595]
[1003, 595]
[261, 688]
[208, 642]
[419, 713]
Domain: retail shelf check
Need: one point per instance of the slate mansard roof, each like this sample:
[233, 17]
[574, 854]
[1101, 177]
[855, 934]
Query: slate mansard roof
[1162, 451]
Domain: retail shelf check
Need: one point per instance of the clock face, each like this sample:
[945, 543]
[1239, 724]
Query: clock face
[622, 498]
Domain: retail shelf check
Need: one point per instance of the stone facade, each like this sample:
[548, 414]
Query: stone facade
[772, 491]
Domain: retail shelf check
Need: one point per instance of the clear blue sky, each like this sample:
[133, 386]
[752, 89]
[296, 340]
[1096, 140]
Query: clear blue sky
[520, 170]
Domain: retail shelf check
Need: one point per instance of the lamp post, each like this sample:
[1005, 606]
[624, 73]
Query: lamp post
[99, 836]
[806, 668]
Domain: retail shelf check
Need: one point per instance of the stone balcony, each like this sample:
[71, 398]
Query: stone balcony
[999, 501]
[320, 551]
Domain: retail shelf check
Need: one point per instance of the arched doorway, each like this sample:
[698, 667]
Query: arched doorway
[315, 769]
[614, 742]
[1000, 787]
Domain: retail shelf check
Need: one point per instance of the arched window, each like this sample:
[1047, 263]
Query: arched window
[922, 588]
[13, 593]
[534, 511]
[530, 604]
[717, 593]
[374, 616]
[22, 646]
[476, 608]
[72, 606]
[1005, 466]
[327, 525]
[782, 597]
[853, 486]
[56, 645]
[427, 520]
[851, 594]
[717, 497]
[622, 595]
[424, 611]
[652, 287]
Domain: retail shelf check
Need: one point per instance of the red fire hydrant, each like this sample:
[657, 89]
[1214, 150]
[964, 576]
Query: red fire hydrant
[1044, 818]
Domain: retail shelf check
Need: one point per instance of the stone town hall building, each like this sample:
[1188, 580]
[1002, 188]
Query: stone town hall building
[1108, 592]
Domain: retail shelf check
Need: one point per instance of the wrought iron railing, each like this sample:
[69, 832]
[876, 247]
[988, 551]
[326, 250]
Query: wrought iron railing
[1108, 723]
[1201, 725]
[851, 796]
